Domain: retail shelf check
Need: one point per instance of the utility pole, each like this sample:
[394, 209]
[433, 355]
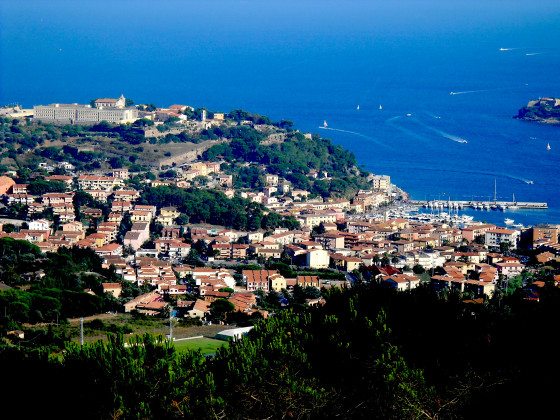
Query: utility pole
[82, 331]
[170, 324]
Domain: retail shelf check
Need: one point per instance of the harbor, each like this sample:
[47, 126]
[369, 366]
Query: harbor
[479, 205]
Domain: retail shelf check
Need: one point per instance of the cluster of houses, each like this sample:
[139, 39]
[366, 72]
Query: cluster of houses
[381, 249]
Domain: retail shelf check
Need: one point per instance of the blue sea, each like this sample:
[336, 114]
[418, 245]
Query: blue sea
[316, 61]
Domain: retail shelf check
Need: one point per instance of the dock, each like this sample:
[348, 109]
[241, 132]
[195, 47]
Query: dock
[480, 205]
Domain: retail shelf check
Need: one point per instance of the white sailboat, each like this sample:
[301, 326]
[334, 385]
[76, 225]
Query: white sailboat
[380, 107]
[358, 107]
[548, 146]
[325, 123]
[514, 205]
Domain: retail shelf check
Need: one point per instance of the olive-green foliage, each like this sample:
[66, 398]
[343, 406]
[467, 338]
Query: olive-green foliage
[369, 352]
[297, 153]
[18, 253]
[214, 207]
[39, 187]
[60, 292]
[292, 159]
[333, 361]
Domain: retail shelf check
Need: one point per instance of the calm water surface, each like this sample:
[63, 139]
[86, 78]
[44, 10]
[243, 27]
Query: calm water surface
[311, 61]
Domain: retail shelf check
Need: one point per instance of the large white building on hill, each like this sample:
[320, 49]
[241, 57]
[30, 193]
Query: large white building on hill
[110, 110]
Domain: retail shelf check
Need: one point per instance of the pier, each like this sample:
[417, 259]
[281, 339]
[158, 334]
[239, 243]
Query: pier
[480, 205]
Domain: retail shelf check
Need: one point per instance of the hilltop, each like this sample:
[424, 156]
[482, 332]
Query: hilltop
[243, 141]
[544, 110]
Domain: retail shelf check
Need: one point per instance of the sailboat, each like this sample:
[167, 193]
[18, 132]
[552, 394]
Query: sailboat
[548, 146]
[358, 107]
[380, 107]
[325, 123]
[514, 205]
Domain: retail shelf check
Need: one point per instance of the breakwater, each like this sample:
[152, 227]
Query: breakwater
[481, 205]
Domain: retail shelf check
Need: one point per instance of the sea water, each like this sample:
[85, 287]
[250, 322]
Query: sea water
[315, 61]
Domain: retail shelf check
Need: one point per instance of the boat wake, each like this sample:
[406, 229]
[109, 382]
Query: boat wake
[442, 133]
[431, 168]
[490, 90]
[534, 53]
[507, 49]
[355, 134]
[391, 122]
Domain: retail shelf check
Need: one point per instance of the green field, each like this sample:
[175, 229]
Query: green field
[206, 345]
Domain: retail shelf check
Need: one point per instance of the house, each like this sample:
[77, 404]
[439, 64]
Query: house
[121, 173]
[200, 167]
[308, 281]
[40, 224]
[61, 178]
[110, 103]
[6, 183]
[138, 234]
[315, 219]
[174, 290]
[19, 189]
[260, 279]
[140, 216]
[541, 232]
[114, 288]
[277, 282]
[317, 258]
[545, 257]
[167, 216]
[170, 233]
[480, 288]
[141, 300]
[243, 301]
[493, 238]
[473, 232]
[401, 282]
[51, 199]
[109, 249]
[118, 206]
[509, 269]
[345, 263]
[199, 309]
[153, 308]
[95, 182]
[271, 180]
[226, 180]
[126, 195]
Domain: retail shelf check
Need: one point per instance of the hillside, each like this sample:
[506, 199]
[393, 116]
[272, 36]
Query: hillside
[369, 352]
[250, 147]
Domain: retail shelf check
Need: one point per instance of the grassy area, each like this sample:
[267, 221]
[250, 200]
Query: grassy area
[206, 345]
[141, 325]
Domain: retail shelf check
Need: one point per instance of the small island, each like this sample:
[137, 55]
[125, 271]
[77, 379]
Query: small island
[544, 110]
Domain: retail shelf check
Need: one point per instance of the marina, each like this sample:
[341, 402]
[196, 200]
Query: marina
[479, 205]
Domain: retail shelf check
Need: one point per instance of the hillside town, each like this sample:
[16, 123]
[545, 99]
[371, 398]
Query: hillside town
[336, 242]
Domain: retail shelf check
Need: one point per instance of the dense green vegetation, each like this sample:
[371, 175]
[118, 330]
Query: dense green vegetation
[124, 145]
[210, 206]
[205, 345]
[293, 159]
[53, 283]
[369, 352]
[540, 111]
